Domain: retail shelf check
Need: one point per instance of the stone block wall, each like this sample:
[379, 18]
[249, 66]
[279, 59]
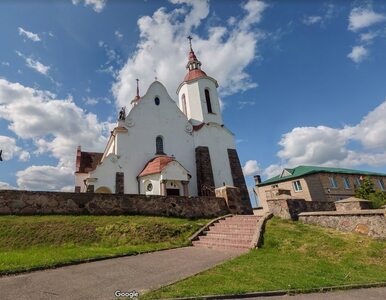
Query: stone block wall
[366, 222]
[289, 208]
[29, 203]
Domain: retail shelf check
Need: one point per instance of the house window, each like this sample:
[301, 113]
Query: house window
[156, 101]
[159, 144]
[184, 104]
[358, 181]
[381, 184]
[297, 186]
[208, 104]
[333, 183]
[346, 183]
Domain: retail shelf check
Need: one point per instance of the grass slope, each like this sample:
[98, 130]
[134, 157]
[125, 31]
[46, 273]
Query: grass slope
[43, 241]
[294, 256]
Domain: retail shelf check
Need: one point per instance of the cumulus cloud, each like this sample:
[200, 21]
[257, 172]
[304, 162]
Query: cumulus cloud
[162, 50]
[45, 177]
[55, 126]
[34, 64]
[6, 186]
[326, 146]
[251, 167]
[29, 35]
[358, 54]
[96, 5]
[363, 17]
[368, 37]
[10, 149]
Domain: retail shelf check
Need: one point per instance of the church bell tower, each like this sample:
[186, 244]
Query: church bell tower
[197, 94]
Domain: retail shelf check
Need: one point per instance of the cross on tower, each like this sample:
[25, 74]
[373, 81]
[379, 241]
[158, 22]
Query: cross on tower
[137, 87]
[190, 41]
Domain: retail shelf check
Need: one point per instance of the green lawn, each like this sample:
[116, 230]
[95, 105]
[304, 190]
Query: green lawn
[294, 256]
[28, 242]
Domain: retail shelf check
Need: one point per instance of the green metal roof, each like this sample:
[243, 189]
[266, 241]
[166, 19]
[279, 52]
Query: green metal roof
[307, 170]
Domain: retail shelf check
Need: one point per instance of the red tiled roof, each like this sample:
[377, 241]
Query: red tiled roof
[193, 74]
[198, 127]
[87, 161]
[156, 165]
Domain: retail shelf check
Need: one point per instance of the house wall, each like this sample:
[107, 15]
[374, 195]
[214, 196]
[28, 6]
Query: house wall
[317, 187]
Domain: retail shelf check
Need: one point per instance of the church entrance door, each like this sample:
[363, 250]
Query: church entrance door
[172, 192]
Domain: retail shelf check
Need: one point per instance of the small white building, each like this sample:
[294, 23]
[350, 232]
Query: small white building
[164, 148]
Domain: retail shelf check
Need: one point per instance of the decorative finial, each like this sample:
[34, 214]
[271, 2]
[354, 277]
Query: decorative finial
[137, 87]
[190, 41]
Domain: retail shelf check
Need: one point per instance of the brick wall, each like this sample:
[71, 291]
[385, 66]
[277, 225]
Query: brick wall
[28, 203]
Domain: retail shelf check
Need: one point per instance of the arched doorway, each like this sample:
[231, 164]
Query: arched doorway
[103, 190]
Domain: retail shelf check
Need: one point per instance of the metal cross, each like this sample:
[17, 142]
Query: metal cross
[190, 40]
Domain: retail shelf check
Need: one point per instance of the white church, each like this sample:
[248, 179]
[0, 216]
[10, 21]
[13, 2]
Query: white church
[164, 148]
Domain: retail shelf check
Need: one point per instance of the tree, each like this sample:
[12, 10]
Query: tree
[367, 191]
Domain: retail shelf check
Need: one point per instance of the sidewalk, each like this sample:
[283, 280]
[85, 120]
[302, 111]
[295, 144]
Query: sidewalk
[100, 280]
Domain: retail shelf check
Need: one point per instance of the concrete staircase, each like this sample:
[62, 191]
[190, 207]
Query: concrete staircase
[234, 232]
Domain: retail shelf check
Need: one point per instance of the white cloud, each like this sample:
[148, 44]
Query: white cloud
[45, 178]
[358, 54]
[251, 167]
[368, 37]
[97, 5]
[5, 63]
[244, 103]
[6, 186]
[326, 146]
[34, 64]
[10, 149]
[162, 50]
[55, 126]
[327, 13]
[118, 34]
[29, 35]
[361, 17]
[310, 20]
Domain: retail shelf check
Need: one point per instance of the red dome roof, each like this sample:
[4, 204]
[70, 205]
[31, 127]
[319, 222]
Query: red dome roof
[193, 74]
[156, 165]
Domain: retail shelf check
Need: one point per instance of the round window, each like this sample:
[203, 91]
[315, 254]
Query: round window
[149, 187]
[156, 101]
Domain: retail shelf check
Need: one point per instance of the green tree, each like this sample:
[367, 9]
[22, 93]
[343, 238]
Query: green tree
[367, 191]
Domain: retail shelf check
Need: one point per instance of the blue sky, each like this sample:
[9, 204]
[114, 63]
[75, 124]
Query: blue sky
[300, 82]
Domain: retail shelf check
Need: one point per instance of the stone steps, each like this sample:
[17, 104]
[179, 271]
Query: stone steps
[235, 232]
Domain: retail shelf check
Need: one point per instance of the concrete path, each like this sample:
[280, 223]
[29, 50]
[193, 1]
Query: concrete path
[100, 280]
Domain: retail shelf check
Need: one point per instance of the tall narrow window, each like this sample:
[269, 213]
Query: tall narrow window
[184, 104]
[333, 183]
[297, 186]
[208, 104]
[346, 183]
[381, 184]
[159, 145]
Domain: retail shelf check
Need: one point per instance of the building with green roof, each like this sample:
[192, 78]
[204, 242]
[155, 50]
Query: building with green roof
[314, 183]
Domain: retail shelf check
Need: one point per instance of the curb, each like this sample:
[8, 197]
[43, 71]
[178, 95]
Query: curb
[287, 292]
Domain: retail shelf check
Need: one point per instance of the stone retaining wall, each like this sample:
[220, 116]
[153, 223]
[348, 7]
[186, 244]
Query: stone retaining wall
[29, 203]
[367, 222]
[288, 208]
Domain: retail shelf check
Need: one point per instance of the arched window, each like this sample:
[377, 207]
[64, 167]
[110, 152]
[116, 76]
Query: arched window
[159, 145]
[156, 101]
[208, 104]
[184, 104]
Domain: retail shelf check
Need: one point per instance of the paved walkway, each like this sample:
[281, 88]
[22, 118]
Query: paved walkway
[99, 280]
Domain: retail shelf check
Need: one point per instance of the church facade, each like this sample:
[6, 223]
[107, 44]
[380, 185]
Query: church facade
[164, 148]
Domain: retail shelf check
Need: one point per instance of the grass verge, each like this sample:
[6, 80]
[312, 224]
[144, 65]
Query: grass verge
[294, 256]
[30, 242]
